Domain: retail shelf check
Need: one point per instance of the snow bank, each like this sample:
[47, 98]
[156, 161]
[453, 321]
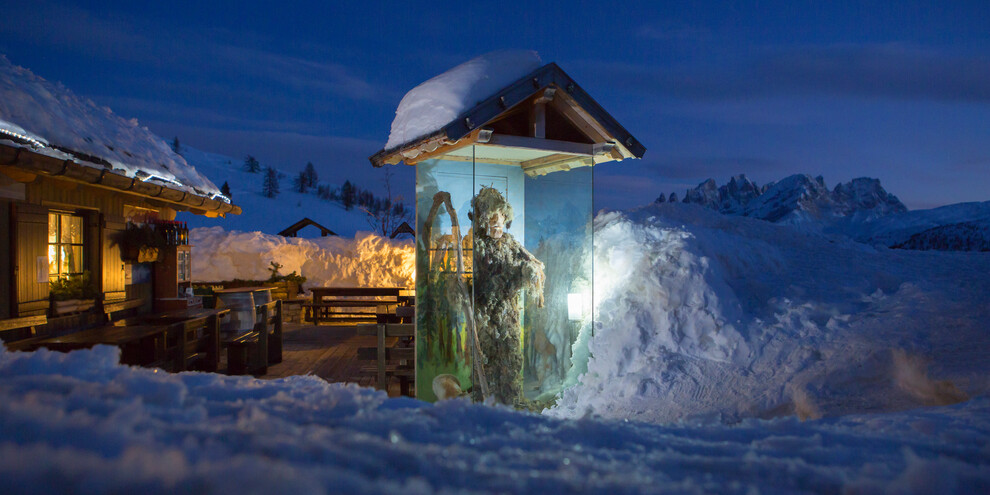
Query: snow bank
[438, 101]
[702, 316]
[55, 116]
[80, 423]
[366, 260]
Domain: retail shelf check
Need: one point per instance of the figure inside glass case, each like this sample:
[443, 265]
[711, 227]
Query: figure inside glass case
[502, 269]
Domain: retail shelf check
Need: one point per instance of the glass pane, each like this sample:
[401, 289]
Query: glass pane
[72, 227]
[505, 321]
[64, 254]
[506, 272]
[53, 227]
[53, 260]
[71, 261]
[443, 277]
[559, 233]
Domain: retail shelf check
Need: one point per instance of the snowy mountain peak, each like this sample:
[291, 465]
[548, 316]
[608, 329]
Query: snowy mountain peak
[796, 199]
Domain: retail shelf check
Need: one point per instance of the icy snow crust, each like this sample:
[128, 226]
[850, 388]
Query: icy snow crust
[54, 115]
[80, 423]
[366, 260]
[437, 102]
[706, 317]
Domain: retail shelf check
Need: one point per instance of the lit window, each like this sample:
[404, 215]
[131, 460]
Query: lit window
[65, 245]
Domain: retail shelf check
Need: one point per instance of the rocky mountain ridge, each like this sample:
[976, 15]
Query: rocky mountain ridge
[860, 209]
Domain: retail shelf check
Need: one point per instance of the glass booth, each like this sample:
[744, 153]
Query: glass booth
[503, 272]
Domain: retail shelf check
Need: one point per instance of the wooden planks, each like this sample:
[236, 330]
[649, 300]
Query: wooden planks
[330, 355]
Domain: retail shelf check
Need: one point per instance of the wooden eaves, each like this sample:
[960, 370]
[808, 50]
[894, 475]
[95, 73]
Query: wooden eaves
[24, 164]
[611, 140]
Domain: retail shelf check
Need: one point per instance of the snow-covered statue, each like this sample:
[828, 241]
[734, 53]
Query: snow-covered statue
[502, 269]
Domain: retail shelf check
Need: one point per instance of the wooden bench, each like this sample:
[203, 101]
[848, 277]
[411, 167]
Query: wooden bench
[354, 304]
[14, 329]
[193, 336]
[390, 361]
[252, 351]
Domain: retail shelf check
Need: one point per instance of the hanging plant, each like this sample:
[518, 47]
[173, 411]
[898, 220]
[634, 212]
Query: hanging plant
[139, 243]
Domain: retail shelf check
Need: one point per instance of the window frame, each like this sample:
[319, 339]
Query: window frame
[58, 244]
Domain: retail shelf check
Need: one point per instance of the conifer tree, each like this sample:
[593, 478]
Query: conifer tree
[252, 165]
[225, 190]
[310, 175]
[661, 199]
[175, 145]
[270, 186]
[300, 182]
[347, 195]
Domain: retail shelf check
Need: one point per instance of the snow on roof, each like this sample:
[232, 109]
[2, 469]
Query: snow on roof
[437, 102]
[53, 119]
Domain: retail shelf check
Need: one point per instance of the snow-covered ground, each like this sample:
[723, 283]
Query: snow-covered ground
[365, 260]
[80, 423]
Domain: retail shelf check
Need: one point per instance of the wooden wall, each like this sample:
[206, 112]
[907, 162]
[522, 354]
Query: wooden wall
[103, 210]
[6, 260]
[30, 239]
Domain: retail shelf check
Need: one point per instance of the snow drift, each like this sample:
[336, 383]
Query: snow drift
[702, 316]
[366, 260]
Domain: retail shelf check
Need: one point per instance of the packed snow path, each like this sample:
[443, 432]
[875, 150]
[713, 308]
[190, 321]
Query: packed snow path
[81, 423]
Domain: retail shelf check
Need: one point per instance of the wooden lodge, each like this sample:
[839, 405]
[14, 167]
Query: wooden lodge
[60, 218]
[88, 202]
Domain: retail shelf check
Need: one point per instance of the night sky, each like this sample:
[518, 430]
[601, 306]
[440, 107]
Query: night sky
[894, 90]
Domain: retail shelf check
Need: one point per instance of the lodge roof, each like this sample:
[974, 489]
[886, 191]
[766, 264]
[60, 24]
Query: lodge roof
[580, 119]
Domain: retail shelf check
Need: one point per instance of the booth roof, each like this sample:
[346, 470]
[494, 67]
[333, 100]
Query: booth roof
[454, 104]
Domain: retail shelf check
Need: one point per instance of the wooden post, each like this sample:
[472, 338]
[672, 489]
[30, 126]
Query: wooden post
[382, 380]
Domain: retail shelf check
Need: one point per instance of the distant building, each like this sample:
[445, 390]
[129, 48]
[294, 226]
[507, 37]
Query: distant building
[293, 230]
[404, 228]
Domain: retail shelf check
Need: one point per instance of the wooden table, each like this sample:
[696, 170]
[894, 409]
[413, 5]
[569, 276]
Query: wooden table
[355, 303]
[141, 345]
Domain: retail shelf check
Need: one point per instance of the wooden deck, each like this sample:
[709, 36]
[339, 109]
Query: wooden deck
[329, 352]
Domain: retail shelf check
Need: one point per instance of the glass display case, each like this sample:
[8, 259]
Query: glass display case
[503, 271]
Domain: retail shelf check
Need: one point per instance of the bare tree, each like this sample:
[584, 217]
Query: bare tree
[386, 216]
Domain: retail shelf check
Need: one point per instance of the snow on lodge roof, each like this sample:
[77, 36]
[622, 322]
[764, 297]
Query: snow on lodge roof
[466, 105]
[46, 127]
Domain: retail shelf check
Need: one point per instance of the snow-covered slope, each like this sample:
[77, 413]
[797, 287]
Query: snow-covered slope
[943, 223]
[80, 423]
[708, 316]
[270, 215]
[438, 101]
[58, 120]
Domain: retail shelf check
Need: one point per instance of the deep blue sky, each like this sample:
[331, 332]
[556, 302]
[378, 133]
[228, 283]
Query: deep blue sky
[894, 90]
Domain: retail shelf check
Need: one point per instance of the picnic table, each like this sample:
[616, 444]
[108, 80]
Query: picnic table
[141, 345]
[356, 304]
[175, 340]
